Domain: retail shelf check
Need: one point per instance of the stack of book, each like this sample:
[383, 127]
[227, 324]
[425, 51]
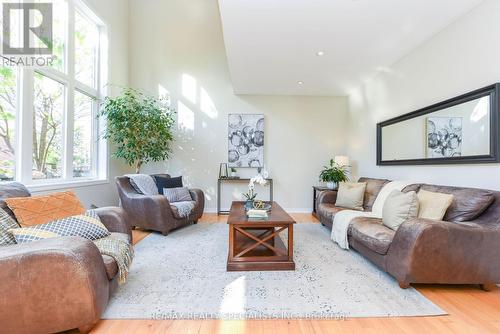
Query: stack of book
[257, 214]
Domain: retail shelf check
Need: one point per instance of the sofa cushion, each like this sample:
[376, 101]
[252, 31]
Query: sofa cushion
[165, 181]
[468, 203]
[371, 233]
[111, 266]
[180, 194]
[88, 226]
[373, 187]
[10, 190]
[350, 195]
[328, 211]
[30, 211]
[7, 223]
[398, 208]
[433, 205]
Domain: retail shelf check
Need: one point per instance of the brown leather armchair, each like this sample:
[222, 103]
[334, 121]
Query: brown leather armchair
[155, 212]
[56, 284]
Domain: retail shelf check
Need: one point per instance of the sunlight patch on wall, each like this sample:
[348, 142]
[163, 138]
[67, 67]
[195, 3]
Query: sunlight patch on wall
[185, 120]
[164, 94]
[189, 90]
[207, 104]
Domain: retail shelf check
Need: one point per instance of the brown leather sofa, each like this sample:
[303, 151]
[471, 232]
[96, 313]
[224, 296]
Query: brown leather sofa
[155, 212]
[57, 284]
[462, 249]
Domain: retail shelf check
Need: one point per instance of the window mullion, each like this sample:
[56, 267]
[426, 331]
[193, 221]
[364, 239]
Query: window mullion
[70, 94]
[25, 141]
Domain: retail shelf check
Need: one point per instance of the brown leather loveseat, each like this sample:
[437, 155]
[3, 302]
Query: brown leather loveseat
[57, 284]
[461, 249]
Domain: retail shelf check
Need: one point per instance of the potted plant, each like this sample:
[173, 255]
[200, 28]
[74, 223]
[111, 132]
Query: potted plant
[251, 194]
[333, 174]
[233, 172]
[140, 126]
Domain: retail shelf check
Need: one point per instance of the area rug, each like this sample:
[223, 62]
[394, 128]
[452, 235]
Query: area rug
[183, 276]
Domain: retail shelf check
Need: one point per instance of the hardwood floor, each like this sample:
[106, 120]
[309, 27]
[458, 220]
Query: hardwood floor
[470, 309]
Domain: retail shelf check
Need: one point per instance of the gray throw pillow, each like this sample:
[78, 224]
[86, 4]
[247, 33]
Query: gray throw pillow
[180, 194]
[351, 195]
[7, 223]
[398, 208]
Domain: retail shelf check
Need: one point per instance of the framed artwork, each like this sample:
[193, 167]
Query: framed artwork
[246, 140]
[444, 137]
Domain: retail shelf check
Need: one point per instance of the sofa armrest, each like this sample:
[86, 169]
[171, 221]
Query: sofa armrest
[51, 285]
[327, 196]
[199, 197]
[115, 220]
[429, 251]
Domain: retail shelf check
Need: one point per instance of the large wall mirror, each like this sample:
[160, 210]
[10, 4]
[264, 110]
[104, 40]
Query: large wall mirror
[460, 130]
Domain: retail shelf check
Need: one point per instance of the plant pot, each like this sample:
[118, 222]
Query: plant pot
[249, 205]
[331, 185]
[233, 174]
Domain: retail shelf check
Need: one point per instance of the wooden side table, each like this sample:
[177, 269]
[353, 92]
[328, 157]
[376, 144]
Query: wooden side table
[316, 191]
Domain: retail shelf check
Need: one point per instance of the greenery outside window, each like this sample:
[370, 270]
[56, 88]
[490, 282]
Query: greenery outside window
[49, 130]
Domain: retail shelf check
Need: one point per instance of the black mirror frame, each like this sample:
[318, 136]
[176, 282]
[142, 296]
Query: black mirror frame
[494, 157]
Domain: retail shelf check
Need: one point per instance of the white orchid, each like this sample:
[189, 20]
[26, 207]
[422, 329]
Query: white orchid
[259, 179]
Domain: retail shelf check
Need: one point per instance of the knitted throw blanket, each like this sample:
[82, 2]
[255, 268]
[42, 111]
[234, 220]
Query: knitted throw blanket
[184, 208]
[119, 248]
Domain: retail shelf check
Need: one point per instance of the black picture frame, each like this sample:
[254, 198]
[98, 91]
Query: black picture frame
[494, 157]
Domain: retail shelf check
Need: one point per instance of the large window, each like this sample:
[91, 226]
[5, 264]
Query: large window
[49, 132]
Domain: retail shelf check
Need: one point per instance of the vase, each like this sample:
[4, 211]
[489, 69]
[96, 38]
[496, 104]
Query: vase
[249, 204]
[331, 185]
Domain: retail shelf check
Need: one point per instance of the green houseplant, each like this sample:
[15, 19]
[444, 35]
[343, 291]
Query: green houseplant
[333, 174]
[140, 126]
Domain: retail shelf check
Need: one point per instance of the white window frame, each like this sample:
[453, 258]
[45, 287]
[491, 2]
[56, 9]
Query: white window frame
[25, 99]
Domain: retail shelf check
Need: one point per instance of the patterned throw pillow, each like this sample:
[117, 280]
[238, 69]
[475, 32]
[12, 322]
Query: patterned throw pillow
[42, 209]
[87, 226]
[6, 224]
[177, 194]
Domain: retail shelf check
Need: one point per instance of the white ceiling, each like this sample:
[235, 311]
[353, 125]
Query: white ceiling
[272, 44]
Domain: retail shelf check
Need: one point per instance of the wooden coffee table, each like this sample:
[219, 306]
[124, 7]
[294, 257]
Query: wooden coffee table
[255, 245]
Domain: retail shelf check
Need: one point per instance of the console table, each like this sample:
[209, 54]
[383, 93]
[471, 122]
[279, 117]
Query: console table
[237, 180]
[316, 191]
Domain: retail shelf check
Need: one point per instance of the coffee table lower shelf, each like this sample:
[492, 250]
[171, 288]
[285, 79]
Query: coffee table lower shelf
[270, 255]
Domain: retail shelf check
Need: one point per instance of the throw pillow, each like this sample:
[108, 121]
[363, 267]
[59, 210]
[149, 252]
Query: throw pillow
[167, 182]
[433, 205]
[351, 195]
[177, 194]
[398, 208]
[87, 225]
[37, 210]
[144, 184]
[6, 224]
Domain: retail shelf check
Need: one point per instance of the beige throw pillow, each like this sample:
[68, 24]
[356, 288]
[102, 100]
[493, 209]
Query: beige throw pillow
[350, 195]
[398, 208]
[433, 205]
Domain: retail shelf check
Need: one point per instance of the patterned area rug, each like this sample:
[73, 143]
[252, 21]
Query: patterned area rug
[183, 276]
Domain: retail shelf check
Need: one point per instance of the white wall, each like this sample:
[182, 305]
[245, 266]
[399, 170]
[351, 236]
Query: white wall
[178, 46]
[463, 57]
[115, 14]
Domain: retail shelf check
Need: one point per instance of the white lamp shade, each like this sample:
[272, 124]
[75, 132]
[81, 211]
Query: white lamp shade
[342, 160]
